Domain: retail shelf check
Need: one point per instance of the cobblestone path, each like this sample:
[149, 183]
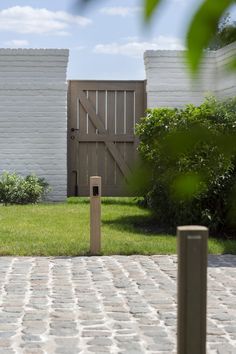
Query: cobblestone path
[106, 305]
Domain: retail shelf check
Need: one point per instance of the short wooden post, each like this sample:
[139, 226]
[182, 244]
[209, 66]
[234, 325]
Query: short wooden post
[95, 215]
[192, 289]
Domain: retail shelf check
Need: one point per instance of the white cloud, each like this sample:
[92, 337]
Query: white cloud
[135, 49]
[26, 19]
[120, 11]
[17, 43]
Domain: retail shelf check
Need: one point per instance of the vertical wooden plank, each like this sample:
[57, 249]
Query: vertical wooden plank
[69, 144]
[120, 129]
[92, 147]
[101, 149]
[140, 107]
[91, 95]
[111, 128]
[130, 112]
[82, 150]
[72, 145]
[106, 107]
[129, 147]
[139, 101]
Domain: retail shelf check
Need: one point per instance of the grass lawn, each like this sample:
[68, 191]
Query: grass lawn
[63, 229]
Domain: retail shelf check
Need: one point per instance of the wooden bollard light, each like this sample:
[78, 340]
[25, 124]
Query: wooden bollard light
[95, 214]
[192, 289]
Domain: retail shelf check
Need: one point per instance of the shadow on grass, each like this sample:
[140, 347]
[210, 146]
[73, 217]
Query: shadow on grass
[230, 248]
[120, 201]
[105, 200]
[146, 225]
[78, 200]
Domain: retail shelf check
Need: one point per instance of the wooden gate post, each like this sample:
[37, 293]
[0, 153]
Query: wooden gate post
[192, 289]
[95, 215]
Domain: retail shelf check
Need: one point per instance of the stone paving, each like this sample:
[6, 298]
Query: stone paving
[106, 305]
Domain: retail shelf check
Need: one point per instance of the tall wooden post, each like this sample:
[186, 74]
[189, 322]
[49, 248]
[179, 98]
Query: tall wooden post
[192, 289]
[95, 214]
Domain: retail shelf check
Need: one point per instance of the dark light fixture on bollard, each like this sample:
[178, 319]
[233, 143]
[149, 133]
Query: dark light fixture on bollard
[192, 289]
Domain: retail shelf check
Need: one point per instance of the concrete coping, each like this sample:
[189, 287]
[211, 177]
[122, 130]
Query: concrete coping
[34, 52]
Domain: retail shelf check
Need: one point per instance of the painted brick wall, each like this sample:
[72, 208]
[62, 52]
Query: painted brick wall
[226, 80]
[170, 85]
[33, 115]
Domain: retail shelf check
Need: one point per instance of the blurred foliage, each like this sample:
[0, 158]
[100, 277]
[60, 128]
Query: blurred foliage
[149, 7]
[190, 155]
[226, 33]
[203, 27]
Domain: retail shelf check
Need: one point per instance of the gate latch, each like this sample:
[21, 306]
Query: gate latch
[74, 129]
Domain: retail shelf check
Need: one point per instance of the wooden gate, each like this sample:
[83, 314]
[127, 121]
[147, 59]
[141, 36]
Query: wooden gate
[101, 140]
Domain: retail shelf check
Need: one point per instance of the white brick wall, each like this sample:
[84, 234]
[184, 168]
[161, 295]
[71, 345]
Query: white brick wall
[169, 83]
[33, 115]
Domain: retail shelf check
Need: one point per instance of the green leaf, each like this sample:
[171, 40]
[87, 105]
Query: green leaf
[150, 6]
[202, 28]
[186, 186]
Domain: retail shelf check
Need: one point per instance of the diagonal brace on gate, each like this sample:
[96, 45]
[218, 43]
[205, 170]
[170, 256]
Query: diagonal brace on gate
[98, 124]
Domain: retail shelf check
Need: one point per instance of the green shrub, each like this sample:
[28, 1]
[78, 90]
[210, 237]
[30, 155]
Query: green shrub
[15, 189]
[191, 156]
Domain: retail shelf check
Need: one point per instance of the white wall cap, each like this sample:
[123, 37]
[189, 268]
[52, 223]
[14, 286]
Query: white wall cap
[30, 51]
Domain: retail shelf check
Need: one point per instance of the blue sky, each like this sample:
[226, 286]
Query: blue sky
[106, 41]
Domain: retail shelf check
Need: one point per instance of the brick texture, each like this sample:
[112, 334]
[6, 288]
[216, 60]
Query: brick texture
[33, 115]
[169, 83]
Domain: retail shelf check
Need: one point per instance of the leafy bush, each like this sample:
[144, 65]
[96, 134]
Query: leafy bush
[15, 189]
[191, 156]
